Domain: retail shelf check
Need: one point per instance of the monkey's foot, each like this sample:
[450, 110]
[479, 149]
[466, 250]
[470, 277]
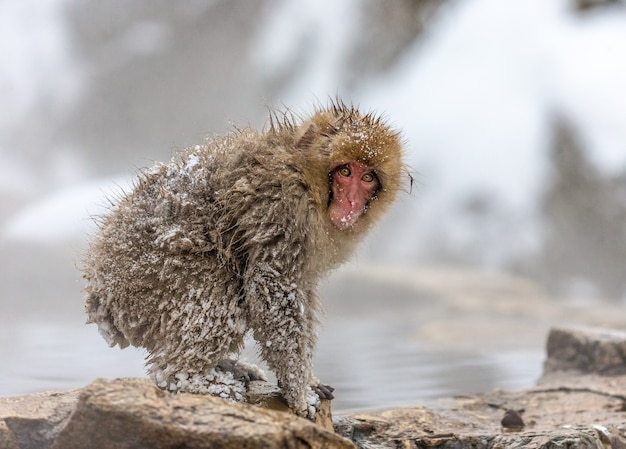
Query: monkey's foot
[314, 394]
[242, 371]
[312, 403]
[215, 382]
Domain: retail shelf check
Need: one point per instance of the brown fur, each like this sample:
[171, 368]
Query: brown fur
[231, 236]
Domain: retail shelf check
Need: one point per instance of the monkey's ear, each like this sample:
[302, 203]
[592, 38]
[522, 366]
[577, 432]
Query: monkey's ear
[307, 138]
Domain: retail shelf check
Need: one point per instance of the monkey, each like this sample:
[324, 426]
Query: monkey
[230, 238]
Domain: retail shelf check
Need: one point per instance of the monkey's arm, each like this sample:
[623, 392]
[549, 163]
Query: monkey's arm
[282, 316]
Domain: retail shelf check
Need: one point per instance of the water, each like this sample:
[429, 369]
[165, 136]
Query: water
[379, 347]
[368, 363]
[373, 366]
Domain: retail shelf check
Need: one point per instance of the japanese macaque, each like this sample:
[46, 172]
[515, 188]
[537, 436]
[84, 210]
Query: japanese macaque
[230, 238]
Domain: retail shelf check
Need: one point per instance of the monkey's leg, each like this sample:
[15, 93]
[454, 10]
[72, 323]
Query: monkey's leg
[201, 375]
[283, 328]
[199, 329]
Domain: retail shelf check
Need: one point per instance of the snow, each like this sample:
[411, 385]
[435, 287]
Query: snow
[473, 100]
[292, 28]
[192, 161]
[470, 101]
[589, 70]
[147, 37]
[63, 215]
[35, 64]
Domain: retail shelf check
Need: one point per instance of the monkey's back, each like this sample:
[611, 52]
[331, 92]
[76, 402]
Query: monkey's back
[170, 256]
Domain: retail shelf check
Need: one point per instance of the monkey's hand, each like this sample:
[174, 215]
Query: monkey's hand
[324, 391]
[282, 316]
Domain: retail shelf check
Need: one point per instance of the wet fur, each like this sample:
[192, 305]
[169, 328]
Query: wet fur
[232, 236]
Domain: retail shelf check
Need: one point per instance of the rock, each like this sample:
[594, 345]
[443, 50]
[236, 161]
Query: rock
[575, 404]
[512, 420]
[269, 396]
[586, 350]
[552, 417]
[7, 440]
[134, 413]
[579, 402]
[34, 420]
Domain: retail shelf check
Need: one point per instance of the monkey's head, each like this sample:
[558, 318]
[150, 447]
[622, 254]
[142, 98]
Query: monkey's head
[354, 165]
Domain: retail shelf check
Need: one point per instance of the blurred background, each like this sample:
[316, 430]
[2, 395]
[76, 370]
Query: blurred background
[514, 117]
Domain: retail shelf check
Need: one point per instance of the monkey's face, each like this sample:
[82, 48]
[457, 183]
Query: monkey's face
[352, 185]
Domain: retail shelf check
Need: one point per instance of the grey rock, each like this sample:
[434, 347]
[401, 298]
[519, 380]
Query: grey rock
[586, 350]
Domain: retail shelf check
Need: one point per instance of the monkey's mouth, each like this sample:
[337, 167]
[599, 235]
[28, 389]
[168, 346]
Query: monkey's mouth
[344, 215]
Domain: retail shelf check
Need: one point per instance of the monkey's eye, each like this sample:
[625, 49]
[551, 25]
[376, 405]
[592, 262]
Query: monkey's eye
[368, 177]
[345, 171]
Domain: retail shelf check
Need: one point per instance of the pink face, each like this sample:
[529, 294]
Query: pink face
[353, 185]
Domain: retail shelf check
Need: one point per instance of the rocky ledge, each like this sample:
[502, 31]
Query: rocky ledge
[580, 402]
